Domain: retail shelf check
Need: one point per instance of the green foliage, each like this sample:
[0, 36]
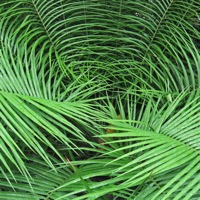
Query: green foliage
[99, 99]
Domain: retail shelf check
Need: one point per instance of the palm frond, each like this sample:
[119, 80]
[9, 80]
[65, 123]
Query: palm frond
[165, 141]
[72, 70]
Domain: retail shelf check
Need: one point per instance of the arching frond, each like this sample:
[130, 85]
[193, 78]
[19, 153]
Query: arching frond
[111, 85]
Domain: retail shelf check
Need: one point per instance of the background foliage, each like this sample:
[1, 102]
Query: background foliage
[99, 99]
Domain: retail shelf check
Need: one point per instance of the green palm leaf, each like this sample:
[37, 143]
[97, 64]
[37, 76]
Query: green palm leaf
[70, 69]
[149, 155]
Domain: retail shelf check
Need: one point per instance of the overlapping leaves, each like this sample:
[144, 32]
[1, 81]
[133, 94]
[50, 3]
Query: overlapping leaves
[59, 63]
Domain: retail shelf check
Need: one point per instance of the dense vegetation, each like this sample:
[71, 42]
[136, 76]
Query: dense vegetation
[99, 99]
